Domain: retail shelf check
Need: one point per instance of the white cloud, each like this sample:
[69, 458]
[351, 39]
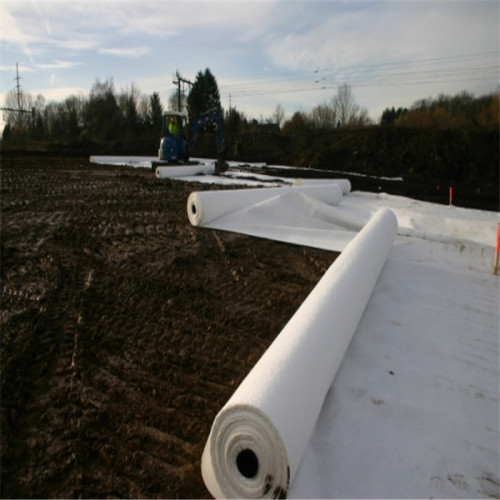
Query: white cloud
[59, 94]
[339, 39]
[124, 52]
[225, 21]
[12, 68]
[377, 32]
[12, 31]
[37, 32]
[58, 65]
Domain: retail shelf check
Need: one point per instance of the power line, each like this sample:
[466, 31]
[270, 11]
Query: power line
[13, 110]
[479, 66]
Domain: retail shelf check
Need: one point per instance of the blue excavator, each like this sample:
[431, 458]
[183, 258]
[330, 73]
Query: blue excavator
[178, 138]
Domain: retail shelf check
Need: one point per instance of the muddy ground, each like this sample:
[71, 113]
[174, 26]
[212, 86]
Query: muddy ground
[124, 329]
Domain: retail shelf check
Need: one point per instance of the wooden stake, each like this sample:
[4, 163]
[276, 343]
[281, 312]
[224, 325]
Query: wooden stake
[497, 250]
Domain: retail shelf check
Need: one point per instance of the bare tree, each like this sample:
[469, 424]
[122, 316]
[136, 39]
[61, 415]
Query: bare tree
[345, 106]
[71, 109]
[362, 119]
[173, 102]
[20, 105]
[127, 101]
[324, 116]
[279, 115]
[143, 109]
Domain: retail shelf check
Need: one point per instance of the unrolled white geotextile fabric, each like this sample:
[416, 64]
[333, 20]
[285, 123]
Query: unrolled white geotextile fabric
[296, 218]
[184, 170]
[345, 184]
[258, 438]
[204, 207]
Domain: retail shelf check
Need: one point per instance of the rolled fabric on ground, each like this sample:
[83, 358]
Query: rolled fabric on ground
[204, 207]
[184, 170]
[258, 438]
[129, 161]
[345, 184]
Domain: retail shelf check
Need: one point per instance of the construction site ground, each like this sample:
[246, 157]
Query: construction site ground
[124, 329]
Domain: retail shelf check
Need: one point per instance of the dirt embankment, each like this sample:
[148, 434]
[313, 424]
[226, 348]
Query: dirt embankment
[428, 160]
[124, 329]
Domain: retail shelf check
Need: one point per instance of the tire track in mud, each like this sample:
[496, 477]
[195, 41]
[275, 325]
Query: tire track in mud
[45, 370]
[125, 329]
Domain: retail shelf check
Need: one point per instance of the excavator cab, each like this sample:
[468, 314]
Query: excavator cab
[173, 143]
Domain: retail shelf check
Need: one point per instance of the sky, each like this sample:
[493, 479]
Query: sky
[263, 53]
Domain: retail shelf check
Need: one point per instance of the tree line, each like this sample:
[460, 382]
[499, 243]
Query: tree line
[341, 111]
[460, 111]
[442, 113]
[103, 115]
[108, 115]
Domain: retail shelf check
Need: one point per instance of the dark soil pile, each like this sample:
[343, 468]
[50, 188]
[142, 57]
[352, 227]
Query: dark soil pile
[124, 329]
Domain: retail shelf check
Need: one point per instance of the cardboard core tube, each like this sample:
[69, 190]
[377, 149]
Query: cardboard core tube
[247, 463]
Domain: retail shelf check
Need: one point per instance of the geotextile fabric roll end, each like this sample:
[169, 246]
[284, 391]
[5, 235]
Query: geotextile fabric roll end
[259, 437]
[239, 472]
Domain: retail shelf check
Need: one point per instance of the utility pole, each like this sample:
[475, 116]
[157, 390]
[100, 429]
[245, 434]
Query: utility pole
[18, 87]
[178, 82]
[19, 109]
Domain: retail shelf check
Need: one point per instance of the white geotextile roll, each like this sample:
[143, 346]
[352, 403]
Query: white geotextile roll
[204, 207]
[258, 438]
[184, 170]
[345, 184]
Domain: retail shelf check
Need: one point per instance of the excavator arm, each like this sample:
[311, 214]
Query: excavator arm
[212, 116]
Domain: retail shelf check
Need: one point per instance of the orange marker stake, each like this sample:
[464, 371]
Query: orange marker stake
[451, 196]
[497, 250]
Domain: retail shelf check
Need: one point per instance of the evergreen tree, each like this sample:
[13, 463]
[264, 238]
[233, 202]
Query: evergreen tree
[390, 115]
[7, 132]
[101, 114]
[130, 121]
[156, 111]
[234, 121]
[204, 94]
[71, 110]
